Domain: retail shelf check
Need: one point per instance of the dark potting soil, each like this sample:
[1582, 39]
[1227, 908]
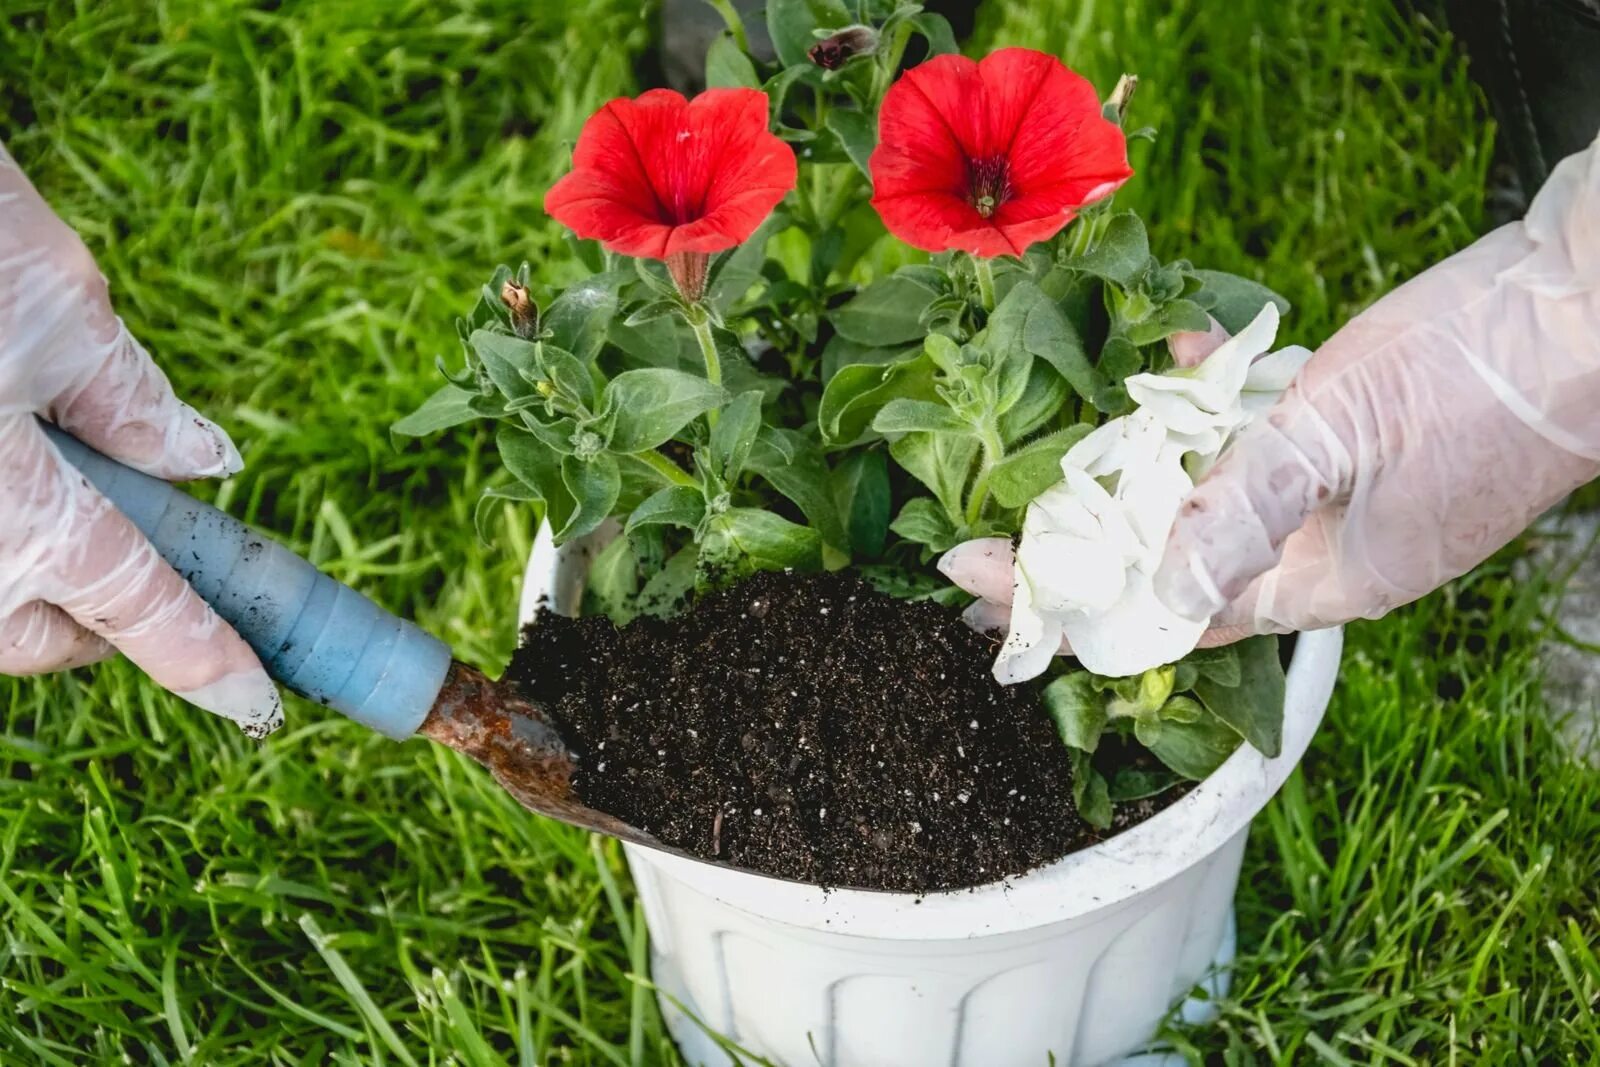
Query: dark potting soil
[810, 727]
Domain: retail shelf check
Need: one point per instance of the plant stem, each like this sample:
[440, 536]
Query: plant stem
[985, 272]
[994, 450]
[701, 324]
[735, 23]
[664, 467]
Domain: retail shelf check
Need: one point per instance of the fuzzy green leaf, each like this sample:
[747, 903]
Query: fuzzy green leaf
[1194, 750]
[539, 469]
[861, 495]
[735, 432]
[940, 461]
[746, 539]
[1089, 791]
[1236, 301]
[509, 361]
[854, 396]
[790, 24]
[1254, 706]
[1079, 710]
[612, 581]
[653, 404]
[1030, 320]
[449, 406]
[728, 67]
[857, 133]
[578, 319]
[676, 505]
[887, 312]
[594, 485]
[924, 522]
[1121, 254]
[1136, 783]
[903, 415]
[1035, 467]
[795, 467]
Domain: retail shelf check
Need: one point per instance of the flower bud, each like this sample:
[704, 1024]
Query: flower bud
[524, 312]
[835, 51]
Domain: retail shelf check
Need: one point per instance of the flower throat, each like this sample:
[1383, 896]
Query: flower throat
[990, 183]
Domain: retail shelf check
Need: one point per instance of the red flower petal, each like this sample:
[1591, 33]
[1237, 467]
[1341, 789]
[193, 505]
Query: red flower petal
[660, 174]
[1018, 132]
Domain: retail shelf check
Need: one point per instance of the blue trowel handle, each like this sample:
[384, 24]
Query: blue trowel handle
[316, 636]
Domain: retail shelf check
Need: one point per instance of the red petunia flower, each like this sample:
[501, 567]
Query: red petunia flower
[989, 157]
[673, 179]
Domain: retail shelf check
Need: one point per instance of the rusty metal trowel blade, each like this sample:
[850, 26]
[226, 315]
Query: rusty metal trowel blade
[514, 741]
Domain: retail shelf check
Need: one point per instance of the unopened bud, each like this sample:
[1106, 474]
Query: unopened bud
[1117, 103]
[524, 312]
[834, 51]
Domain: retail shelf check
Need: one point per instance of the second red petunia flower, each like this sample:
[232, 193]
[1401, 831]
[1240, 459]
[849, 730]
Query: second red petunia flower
[990, 156]
[673, 179]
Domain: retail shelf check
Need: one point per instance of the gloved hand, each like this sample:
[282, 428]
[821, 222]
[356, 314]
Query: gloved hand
[1423, 436]
[77, 580]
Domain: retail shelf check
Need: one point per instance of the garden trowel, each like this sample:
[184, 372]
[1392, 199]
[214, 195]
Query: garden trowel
[329, 643]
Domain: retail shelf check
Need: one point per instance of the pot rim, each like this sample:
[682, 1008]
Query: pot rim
[1090, 880]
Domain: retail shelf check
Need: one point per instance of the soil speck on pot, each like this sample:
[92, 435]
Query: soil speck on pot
[810, 727]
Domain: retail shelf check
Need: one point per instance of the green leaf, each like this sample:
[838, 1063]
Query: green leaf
[752, 539]
[790, 24]
[735, 432]
[594, 485]
[1035, 467]
[861, 495]
[516, 492]
[728, 67]
[653, 404]
[1029, 319]
[676, 505]
[1044, 398]
[1195, 749]
[668, 589]
[857, 134]
[509, 361]
[841, 352]
[450, 406]
[1136, 783]
[577, 320]
[1182, 709]
[936, 30]
[924, 522]
[538, 468]
[1079, 710]
[1254, 706]
[1089, 791]
[735, 272]
[612, 581]
[1121, 254]
[1237, 301]
[1219, 665]
[940, 461]
[795, 467]
[1177, 316]
[854, 396]
[568, 374]
[887, 312]
[903, 415]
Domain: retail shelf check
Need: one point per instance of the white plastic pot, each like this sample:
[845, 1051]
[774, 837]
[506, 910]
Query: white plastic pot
[1080, 960]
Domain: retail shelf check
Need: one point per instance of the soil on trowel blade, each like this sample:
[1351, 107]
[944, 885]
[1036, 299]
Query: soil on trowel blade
[809, 727]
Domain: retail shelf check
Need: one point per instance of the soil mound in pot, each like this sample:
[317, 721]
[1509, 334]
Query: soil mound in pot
[810, 727]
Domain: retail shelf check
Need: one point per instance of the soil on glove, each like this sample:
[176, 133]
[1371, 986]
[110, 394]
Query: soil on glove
[812, 728]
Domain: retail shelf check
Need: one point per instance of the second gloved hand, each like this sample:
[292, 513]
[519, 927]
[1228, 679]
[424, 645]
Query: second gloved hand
[1421, 438]
[77, 580]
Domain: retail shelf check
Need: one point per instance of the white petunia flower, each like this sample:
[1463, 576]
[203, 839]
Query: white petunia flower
[1091, 543]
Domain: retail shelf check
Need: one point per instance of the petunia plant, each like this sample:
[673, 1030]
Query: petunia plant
[869, 305]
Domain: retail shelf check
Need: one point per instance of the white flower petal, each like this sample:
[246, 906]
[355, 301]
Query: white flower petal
[1031, 642]
[1133, 636]
[1071, 574]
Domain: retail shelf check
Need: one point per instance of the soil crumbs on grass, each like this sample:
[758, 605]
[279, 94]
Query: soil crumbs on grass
[810, 727]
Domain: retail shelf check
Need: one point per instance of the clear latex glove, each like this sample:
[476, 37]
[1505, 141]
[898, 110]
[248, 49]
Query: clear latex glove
[77, 580]
[1422, 437]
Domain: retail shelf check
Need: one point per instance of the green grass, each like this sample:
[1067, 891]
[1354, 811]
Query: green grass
[292, 207]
